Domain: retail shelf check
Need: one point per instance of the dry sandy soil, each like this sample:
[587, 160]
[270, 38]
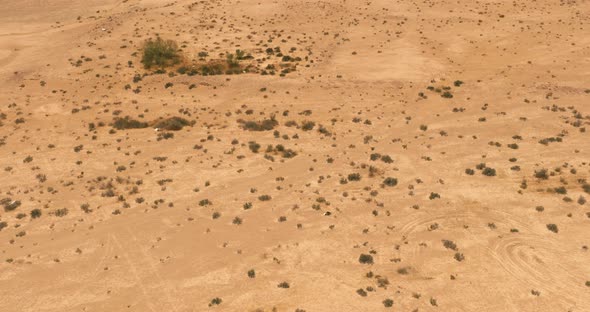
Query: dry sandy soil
[424, 156]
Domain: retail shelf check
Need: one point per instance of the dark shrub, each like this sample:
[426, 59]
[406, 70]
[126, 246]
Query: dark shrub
[354, 177]
[172, 123]
[388, 303]
[552, 227]
[490, 172]
[366, 259]
[390, 181]
[541, 174]
[264, 125]
[128, 123]
[35, 213]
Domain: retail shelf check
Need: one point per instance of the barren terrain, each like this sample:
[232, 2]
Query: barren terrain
[295, 156]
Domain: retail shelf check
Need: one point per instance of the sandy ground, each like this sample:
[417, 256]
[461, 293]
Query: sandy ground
[489, 211]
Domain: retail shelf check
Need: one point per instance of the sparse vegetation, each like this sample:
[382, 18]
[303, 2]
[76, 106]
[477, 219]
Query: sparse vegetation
[160, 53]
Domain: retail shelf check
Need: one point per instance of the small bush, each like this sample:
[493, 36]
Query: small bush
[552, 227]
[35, 213]
[490, 172]
[215, 301]
[172, 123]
[128, 123]
[390, 181]
[61, 212]
[264, 125]
[388, 303]
[366, 259]
[160, 53]
[541, 174]
[449, 244]
[354, 177]
[307, 125]
[10, 205]
[254, 147]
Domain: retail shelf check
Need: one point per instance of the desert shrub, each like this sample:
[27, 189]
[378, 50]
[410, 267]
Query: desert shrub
[433, 196]
[128, 123]
[447, 95]
[172, 123]
[307, 125]
[388, 303]
[283, 285]
[541, 174]
[459, 256]
[354, 177]
[490, 172]
[264, 198]
[35, 213]
[449, 244]
[251, 273]
[552, 227]
[469, 171]
[264, 125]
[361, 292]
[62, 212]
[366, 259]
[386, 159]
[160, 53]
[10, 205]
[215, 301]
[204, 202]
[3, 224]
[254, 147]
[560, 190]
[86, 208]
[390, 181]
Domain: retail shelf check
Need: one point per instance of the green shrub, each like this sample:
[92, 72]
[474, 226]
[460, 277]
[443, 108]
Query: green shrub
[160, 53]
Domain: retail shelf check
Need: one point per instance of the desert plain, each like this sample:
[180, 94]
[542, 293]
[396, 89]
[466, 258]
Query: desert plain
[295, 156]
